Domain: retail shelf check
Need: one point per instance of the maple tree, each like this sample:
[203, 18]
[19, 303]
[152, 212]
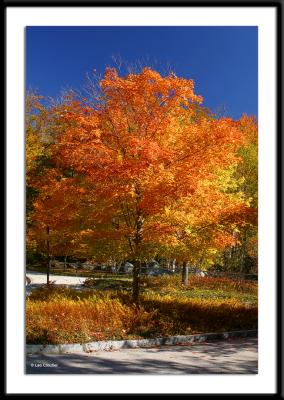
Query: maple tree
[145, 144]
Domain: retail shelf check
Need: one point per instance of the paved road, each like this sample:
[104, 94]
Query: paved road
[40, 278]
[233, 356]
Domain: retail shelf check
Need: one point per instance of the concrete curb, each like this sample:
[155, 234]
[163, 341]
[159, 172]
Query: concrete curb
[131, 344]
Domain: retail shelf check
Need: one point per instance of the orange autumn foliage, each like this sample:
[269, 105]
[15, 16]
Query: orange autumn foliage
[144, 147]
[61, 206]
[146, 144]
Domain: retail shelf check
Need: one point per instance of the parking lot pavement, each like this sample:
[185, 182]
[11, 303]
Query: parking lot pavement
[233, 356]
[40, 278]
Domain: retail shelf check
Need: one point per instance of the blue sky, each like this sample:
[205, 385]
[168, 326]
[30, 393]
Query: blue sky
[221, 60]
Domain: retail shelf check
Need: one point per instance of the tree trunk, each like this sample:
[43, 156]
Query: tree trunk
[136, 281]
[185, 273]
[173, 265]
[48, 271]
[137, 256]
[48, 257]
[168, 264]
[65, 262]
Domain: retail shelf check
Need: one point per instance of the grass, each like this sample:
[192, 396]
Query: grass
[64, 315]
[206, 288]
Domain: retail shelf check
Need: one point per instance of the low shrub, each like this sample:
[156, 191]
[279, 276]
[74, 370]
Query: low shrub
[90, 282]
[63, 320]
[51, 292]
[62, 315]
[202, 315]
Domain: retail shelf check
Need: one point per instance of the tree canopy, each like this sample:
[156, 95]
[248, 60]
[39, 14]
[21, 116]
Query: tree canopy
[143, 168]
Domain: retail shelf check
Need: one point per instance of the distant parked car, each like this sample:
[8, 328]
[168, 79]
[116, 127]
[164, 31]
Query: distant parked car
[87, 266]
[153, 265]
[127, 267]
[159, 272]
[197, 271]
[57, 264]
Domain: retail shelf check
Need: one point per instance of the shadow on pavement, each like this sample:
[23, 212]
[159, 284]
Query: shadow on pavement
[206, 358]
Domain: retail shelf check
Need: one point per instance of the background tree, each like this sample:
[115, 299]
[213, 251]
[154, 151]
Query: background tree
[242, 257]
[206, 222]
[58, 216]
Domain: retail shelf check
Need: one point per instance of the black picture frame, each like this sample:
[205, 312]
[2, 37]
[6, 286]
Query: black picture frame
[279, 244]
